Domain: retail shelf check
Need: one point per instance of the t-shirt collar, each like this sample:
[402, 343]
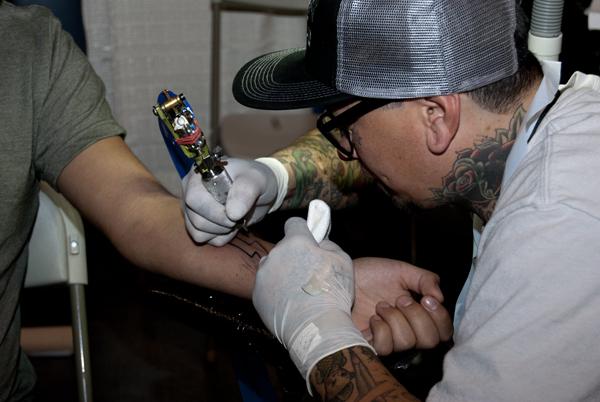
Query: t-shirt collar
[543, 96]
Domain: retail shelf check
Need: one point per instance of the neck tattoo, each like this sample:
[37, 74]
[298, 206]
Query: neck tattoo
[476, 176]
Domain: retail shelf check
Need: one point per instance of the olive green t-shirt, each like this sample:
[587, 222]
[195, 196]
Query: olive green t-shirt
[52, 106]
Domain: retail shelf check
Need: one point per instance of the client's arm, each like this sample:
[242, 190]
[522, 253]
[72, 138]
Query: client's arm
[113, 190]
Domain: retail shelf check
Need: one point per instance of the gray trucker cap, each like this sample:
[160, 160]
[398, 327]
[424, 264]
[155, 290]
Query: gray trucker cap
[392, 49]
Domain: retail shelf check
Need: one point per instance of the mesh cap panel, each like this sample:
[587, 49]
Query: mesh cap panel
[416, 48]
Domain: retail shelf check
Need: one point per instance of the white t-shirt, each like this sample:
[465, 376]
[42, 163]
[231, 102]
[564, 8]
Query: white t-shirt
[530, 329]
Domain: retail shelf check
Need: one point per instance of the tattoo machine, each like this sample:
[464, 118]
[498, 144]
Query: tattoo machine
[187, 145]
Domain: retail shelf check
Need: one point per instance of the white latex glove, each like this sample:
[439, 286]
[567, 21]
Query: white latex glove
[311, 326]
[253, 193]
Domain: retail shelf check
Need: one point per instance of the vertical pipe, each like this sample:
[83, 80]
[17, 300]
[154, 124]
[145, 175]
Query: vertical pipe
[546, 18]
[80, 342]
[215, 75]
[545, 37]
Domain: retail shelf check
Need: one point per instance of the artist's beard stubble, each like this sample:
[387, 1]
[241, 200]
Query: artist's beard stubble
[401, 201]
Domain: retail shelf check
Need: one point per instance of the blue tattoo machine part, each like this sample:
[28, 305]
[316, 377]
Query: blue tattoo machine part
[187, 145]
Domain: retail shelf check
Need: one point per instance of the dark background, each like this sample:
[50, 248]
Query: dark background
[154, 339]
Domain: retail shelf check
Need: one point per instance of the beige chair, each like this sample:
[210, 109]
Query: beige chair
[57, 255]
[276, 7]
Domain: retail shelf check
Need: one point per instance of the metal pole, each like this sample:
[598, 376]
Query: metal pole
[80, 342]
[215, 84]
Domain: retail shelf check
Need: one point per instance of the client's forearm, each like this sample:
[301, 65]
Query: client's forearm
[114, 191]
[163, 245]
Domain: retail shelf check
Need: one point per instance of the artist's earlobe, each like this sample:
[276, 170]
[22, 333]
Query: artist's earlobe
[442, 115]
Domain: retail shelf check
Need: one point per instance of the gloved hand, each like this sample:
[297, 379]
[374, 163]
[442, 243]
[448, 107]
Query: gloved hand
[254, 192]
[311, 326]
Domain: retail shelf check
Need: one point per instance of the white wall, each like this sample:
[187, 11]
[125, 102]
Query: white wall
[139, 47]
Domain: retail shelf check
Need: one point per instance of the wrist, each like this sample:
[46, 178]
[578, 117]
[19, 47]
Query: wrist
[281, 178]
[322, 336]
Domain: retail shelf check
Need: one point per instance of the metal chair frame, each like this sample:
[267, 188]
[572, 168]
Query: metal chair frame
[57, 255]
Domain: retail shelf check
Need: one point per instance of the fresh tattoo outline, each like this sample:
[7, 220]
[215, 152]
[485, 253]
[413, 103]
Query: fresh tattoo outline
[251, 247]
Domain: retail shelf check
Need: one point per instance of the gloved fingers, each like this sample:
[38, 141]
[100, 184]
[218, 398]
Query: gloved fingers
[220, 241]
[200, 203]
[402, 334]
[201, 224]
[201, 236]
[331, 246]
[242, 197]
[344, 265]
[420, 320]
[297, 227]
[440, 316]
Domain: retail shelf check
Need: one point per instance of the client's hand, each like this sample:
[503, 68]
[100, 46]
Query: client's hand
[387, 315]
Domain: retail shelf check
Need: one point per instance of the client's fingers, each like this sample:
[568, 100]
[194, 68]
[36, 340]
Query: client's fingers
[403, 337]
[423, 327]
[381, 336]
[440, 317]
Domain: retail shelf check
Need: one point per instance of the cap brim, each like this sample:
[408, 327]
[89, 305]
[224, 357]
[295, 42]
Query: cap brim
[279, 81]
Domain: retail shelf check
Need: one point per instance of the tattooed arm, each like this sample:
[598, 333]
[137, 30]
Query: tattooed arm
[113, 190]
[291, 178]
[355, 374]
[316, 171]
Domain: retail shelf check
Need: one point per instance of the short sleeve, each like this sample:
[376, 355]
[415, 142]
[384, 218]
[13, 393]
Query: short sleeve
[70, 108]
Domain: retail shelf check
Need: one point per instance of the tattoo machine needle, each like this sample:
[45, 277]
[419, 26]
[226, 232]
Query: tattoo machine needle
[188, 146]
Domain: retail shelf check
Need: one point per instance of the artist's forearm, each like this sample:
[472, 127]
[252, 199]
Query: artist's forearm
[316, 171]
[355, 374]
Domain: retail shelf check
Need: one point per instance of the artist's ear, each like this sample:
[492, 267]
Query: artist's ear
[442, 119]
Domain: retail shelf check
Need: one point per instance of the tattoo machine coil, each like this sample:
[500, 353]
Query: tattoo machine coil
[187, 144]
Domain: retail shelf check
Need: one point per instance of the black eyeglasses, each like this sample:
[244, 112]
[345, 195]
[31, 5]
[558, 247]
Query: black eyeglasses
[335, 127]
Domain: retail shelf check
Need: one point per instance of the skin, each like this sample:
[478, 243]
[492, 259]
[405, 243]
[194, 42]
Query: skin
[446, 136]
[114, 191]
[355, 374]
[145, 223]
[383, 290]
[315, 171]
[436, 140]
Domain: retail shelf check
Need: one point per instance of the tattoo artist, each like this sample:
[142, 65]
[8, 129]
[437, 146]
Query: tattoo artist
[441, 102]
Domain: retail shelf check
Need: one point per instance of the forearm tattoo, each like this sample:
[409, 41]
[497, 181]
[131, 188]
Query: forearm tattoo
[355, 374]
[476, 175]
[251, 247]
[318, 172]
